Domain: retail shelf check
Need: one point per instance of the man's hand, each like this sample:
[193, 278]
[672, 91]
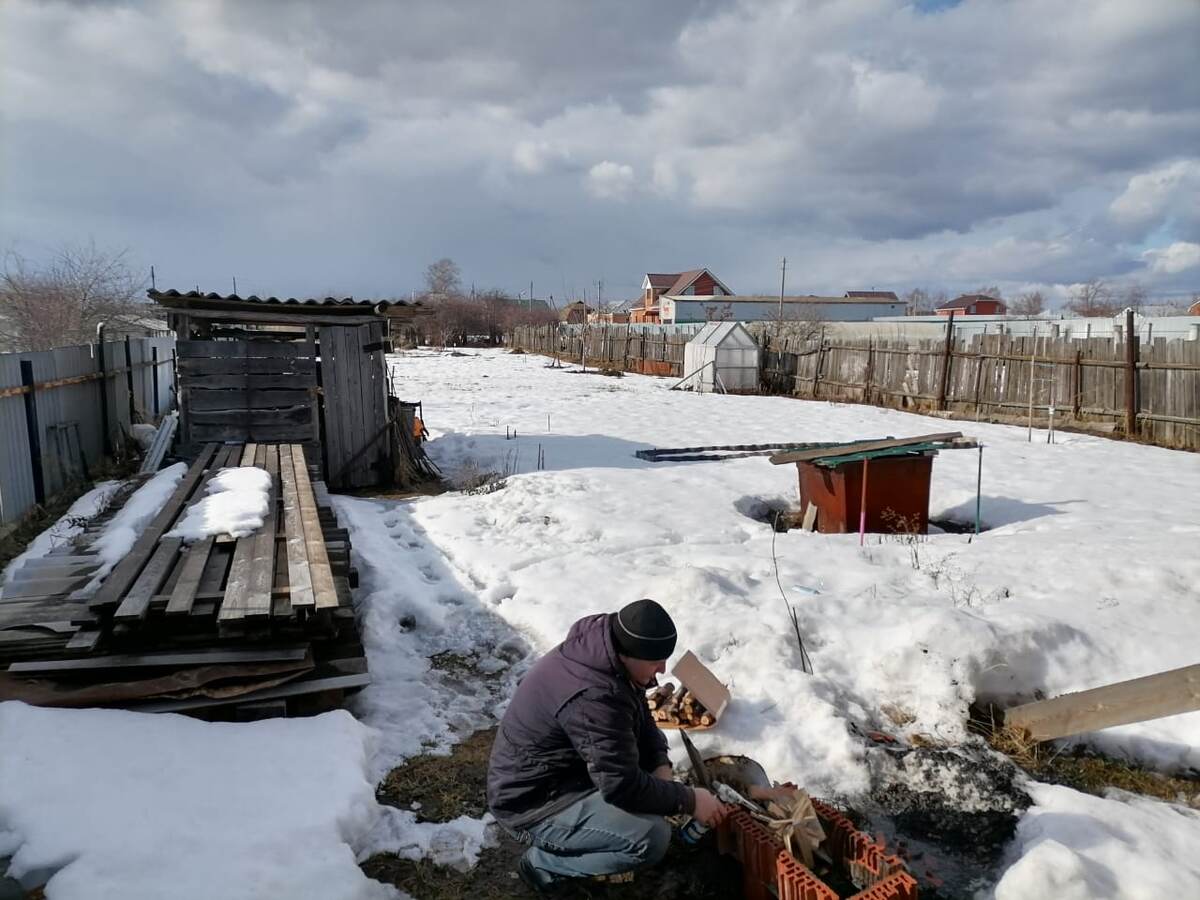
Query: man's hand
[709, 810]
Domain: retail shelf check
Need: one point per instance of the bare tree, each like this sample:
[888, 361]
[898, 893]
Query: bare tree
[920, 302]
[1092, 298]
[443, 278]
[1134, 297]
[1031, 303]
[62, 302]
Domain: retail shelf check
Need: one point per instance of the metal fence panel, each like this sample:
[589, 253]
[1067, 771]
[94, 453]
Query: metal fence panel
[16, 476]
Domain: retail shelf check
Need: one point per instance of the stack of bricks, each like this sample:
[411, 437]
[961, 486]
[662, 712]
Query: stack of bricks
[766, 864]
[866, 862]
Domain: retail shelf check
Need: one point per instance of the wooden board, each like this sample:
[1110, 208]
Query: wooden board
[188, 367]
[293, 689]
[42, 587]
[1139, 700]
[254, 418]
[262, 569]
[168, 659]
[241, 381]
[136, 602]
[254, 399]
[122, 577]
[298, 574]
[792, 456]
[325, 595]
[242, 349]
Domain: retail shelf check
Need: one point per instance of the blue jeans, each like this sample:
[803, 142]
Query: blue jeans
[592, 837]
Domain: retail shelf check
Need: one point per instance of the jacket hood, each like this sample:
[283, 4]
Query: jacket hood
[589, 644]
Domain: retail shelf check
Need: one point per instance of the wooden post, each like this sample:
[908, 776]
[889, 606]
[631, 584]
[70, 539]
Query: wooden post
[1130, 376]
[979, 352]
[310, 335]
[34, 431]
[869, 373]
[102, 369]
[129, 381]
[1079, 384]
[946, 353]
[820, 359]
[1138, 700]
[154, 380]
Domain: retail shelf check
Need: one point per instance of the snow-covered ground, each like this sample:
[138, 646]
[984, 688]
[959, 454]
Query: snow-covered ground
[1087, 574]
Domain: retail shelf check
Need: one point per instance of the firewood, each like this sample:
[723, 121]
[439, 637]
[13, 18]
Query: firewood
[706, 719]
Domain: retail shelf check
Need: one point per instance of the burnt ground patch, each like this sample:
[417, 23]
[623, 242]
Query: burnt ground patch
[949, 813]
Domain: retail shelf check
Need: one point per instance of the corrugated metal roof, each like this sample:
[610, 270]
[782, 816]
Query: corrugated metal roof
[272, 301]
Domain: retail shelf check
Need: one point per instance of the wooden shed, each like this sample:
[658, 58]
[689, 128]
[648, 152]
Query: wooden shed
[308, 372]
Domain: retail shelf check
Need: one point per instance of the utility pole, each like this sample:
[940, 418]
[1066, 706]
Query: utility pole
[531, 296]
[782, 282]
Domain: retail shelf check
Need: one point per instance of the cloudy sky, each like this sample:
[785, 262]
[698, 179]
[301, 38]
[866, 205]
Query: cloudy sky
[313, 148]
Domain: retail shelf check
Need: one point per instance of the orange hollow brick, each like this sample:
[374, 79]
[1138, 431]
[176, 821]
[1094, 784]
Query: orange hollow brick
[897, 886]
[796, 882]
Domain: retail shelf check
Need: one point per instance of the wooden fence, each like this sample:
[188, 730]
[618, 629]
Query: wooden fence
[1151, 389]
[63, 410]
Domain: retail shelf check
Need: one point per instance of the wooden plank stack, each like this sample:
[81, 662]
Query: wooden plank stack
[678, 708]
[159, 631]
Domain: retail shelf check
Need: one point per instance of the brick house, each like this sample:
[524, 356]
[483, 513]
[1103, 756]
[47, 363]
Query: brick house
[575, 313]
[695, 282]
[973, 305]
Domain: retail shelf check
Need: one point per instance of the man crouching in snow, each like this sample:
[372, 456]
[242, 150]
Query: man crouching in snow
[579, 770]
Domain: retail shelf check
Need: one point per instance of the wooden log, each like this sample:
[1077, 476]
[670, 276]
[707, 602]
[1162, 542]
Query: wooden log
[1138, 700]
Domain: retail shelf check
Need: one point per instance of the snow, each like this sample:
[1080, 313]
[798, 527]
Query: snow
[121, 532]
[129, 805]
[235, 504]
[1075, 846]
[1085, 575]
[68, 526]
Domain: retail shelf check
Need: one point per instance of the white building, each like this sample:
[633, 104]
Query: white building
[676, 309]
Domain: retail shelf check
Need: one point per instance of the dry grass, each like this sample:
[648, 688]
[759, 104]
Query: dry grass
[1085, 770]
[446, 787]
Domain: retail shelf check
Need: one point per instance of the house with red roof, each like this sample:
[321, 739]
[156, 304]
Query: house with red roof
[694, 282]
[973, 305]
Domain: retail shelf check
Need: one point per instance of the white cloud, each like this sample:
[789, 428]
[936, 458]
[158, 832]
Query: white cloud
[536, 157]
[609, 180]
[1151, 196]
[1178, 257]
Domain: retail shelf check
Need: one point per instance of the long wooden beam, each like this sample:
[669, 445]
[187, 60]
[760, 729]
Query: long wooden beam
[791, 456]
[1139, 700]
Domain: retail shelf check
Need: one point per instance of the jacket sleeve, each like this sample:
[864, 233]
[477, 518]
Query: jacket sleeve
[602, 732]
[652, 747]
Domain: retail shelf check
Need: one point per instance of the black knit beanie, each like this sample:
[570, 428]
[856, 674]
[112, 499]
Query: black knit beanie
[643, 630]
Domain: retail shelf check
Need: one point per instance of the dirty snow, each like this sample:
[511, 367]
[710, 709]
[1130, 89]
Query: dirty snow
[69, 526]
[1086, 574]
[167, 806]
[235, 503]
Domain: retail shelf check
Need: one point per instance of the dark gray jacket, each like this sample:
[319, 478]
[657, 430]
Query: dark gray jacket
[576, 725]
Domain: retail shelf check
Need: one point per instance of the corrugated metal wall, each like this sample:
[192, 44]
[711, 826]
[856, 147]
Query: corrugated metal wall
[70, 417]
